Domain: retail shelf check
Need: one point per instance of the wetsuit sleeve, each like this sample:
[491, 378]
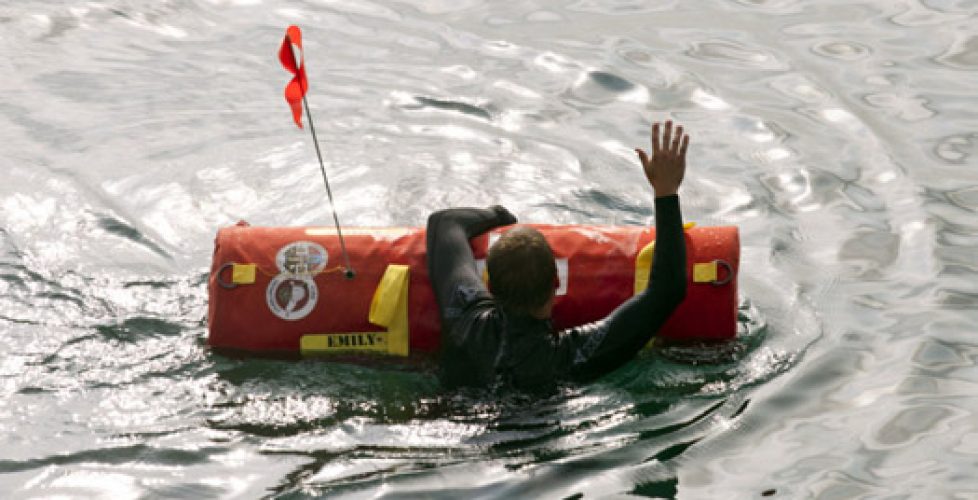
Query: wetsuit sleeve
[589, 351]
[451, 265]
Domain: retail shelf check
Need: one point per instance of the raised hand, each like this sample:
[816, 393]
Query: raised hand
[666, 168]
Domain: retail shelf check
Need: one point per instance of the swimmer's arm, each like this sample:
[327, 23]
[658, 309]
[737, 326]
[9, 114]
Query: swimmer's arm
[592, 350]
[451, 265]
[595, 349]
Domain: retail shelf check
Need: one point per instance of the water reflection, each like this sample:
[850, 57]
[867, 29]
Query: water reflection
[837, 137]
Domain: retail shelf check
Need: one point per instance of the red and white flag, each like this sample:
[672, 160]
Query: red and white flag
[297, 87]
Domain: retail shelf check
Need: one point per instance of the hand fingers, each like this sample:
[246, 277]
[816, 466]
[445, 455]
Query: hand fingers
[667, 136]
[682, 152]
[644, 158]
[674, 147]
[655, 138]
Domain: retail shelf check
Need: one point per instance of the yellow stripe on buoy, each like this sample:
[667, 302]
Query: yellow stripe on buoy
[705, 272]
[243, 274]
[643, 267]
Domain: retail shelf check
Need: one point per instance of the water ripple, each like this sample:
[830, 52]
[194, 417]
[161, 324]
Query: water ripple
[733, 53]
[838, 137]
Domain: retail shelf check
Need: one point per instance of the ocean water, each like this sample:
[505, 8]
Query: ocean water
[841, 137]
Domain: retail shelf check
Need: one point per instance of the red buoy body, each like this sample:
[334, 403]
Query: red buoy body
[283, 289]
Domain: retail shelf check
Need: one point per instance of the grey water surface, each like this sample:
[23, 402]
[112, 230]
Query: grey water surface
[841, 137]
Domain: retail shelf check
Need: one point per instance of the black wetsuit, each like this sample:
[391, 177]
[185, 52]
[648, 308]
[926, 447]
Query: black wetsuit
[483, 344]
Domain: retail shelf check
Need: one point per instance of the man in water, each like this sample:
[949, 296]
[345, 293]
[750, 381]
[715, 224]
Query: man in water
[506, 336]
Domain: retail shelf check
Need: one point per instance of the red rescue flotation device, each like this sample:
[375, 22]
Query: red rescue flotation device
[283, 289]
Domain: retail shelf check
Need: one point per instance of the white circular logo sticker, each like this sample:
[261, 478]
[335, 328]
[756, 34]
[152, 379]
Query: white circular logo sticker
[291, 297]
[302, 258]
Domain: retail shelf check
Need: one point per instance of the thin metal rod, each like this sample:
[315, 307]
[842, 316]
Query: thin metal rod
[329, 192]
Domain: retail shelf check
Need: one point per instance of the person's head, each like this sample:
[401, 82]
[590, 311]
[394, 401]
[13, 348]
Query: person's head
[522, 272]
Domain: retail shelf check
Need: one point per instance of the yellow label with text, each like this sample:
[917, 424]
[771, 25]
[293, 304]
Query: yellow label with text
[344, 342]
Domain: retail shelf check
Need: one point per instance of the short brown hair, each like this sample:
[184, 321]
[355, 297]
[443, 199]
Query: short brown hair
[521, 270]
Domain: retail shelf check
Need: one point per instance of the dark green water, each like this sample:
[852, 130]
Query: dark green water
[839, 136]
